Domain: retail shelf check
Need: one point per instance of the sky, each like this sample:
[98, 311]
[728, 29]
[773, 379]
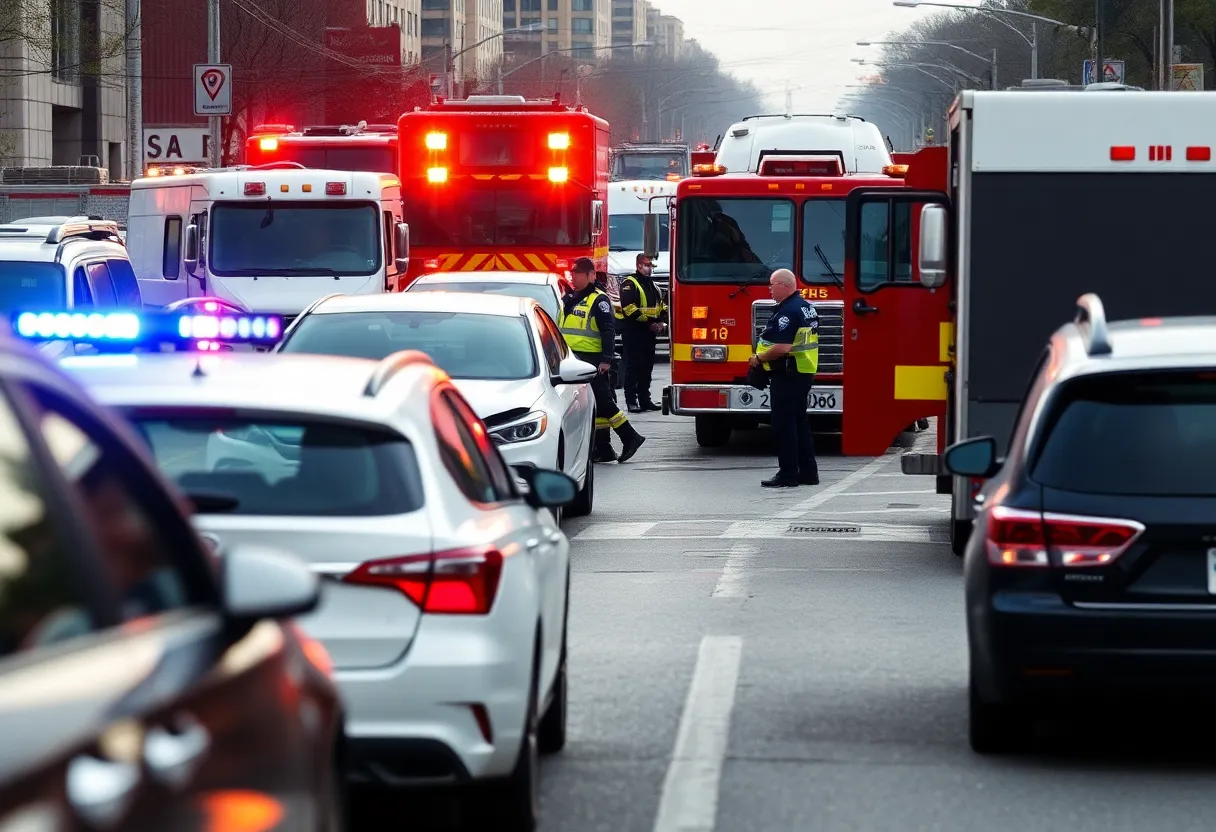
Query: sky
[808, 44]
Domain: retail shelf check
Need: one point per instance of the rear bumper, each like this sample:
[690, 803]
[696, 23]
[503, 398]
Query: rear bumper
[742, 400]
[1029, 647]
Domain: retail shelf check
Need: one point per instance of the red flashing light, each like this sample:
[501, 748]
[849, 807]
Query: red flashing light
[1199, 154]
[335, 189]
[1122, 153]
[1029, 539]
[457, 582]
[268, 144]
[803, 167]
[255, 189]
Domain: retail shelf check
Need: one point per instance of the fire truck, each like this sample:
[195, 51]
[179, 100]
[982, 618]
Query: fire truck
[363, 146]
[502, 183]
[731, 231]
[1026, 209]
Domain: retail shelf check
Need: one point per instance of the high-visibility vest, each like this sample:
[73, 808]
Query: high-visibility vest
[651, 308]
[579, 328]
[805, 350]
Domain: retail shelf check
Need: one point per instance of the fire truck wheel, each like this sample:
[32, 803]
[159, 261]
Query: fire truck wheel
[713, 431]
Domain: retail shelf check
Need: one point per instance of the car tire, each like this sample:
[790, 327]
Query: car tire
[552, 733]
[712, 431]
[585, 501]
[995, 728]
[513, 804]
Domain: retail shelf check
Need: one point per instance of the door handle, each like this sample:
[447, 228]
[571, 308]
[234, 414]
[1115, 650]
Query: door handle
[555, 537]
[863, 308]
[174, 757]
[533, 542]
[101, 791]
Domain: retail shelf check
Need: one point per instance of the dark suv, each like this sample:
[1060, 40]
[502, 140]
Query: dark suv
[1092, 569]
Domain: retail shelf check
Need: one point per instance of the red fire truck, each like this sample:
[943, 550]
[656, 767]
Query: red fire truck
[501, 183]
[370, 147]
[730, 231]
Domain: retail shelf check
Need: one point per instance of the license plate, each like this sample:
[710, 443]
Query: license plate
[821, 400]
[750, 399]
[1212, 571]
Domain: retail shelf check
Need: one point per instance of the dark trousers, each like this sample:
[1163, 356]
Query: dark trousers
[639, 348]
[792, 427]
[607, 415]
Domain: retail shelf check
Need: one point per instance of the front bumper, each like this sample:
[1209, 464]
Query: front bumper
[541, 452]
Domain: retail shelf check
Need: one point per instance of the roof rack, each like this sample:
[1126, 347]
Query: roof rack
[93, 228]
[1092, 315]
[390, 366]
[803, 115]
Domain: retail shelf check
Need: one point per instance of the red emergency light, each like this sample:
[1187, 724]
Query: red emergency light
[806, 166]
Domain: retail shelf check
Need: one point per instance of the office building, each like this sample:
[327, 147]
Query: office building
[579, 28]
[629, 21]
[462, 25]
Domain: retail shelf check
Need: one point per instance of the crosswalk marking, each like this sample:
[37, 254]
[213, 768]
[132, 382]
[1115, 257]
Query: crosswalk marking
[757, 530]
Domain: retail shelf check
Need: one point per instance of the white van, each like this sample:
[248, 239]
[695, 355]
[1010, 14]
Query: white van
[628, 204]
[861, 142]
[271, 239]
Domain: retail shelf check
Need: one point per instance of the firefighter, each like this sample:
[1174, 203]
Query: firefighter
[789, 349]
[614, 375]
[639, 317]
[589, 327]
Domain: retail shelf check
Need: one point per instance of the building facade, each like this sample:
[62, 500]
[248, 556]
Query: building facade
[468, 28]
[407, 16]
[629, 21]
[669, 36]
[579, 28]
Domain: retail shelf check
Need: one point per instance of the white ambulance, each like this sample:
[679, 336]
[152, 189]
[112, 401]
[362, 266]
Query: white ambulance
[860, 143]
[271, 238]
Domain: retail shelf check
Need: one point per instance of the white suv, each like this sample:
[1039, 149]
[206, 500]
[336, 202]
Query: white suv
[444, 609]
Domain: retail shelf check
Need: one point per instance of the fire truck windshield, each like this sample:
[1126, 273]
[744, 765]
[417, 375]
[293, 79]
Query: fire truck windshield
[823, 226]
[287, 238]
[625, 232]
[377, 159]
[484, 216]
[649, 166]
[734, 240]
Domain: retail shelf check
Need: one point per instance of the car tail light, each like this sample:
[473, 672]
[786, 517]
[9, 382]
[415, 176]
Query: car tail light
[700, 397]
[456, 582]
[1027, 538]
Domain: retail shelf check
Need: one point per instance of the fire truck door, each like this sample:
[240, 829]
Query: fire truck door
[898, 331]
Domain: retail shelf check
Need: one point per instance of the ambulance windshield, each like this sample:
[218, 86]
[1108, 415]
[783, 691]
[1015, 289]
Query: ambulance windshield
[270, 237]
[649, 166]
[734, 240]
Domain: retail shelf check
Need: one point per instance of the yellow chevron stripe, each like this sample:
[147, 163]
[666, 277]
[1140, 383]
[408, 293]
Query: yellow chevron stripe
[450, 261]
[513, 263]
[536, 262]
[475, 261]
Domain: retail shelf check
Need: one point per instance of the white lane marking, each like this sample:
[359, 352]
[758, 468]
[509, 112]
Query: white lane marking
[732, 583]
[932, 509]
[689, 801]
[798, 509]
[883, 493]
[614, 531]
[780, 530]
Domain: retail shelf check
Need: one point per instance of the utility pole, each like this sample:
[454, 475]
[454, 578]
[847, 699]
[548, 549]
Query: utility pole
[1165, 45]
[213, 56]
[135, 105]
[994, 82]
[1100, 42]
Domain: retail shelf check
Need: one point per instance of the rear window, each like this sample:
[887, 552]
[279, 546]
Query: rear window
[286, 468]
[1142, 435]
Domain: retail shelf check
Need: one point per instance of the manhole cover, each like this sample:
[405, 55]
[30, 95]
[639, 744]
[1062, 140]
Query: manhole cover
[824, 528]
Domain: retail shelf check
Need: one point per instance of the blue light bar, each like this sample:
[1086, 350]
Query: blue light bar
[150, 328]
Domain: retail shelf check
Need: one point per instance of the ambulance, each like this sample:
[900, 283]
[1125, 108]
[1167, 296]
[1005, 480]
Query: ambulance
[270, 238]
[746, 142]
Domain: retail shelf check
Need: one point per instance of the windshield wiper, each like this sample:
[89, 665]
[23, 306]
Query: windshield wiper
[619, 248]
[827, 264]
[269, 218]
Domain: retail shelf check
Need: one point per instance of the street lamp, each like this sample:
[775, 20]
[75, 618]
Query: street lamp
[990, 61]
[502, 75]
[918, 64]
[451, 67]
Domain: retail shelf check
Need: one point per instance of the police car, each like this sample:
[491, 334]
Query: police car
[446, 581]
[65, 263]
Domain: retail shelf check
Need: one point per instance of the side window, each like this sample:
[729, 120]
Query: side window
[126, 511]
[388, 240]
[563, 350]
[126, 287]
[103, 286]
[553, 355]
[171, 253]
[459, 453]
[82, 295]
[41, 597]
[886, 245]
[473, 430]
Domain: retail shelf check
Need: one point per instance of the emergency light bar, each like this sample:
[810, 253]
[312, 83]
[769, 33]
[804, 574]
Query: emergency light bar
[801, 166]
[149, 328]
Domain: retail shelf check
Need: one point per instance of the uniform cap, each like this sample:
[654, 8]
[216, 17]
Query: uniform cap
[583, 265]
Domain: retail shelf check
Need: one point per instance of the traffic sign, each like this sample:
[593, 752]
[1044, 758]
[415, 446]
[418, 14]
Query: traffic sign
[1187, 77]
[213, 89]
[1112, 71]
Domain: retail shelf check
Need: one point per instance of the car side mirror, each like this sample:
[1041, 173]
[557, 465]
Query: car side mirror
[191, 248]
[973, 458]
[263, 582]
[933, 256]
[651, 227]
[546, 488]
[402, 246]
[575, 371]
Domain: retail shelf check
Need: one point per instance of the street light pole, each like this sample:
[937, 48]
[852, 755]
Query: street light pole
[213, 56]
[502, 75]
[135, 108]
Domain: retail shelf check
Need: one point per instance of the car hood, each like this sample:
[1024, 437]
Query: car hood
[489, 398]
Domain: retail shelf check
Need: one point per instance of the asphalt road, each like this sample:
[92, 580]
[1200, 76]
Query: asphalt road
[739, 663]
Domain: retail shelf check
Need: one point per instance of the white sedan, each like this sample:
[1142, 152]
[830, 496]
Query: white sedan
[546, 288]
[504, 354]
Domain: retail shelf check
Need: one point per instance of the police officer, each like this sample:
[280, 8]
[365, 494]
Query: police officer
[589, 327]
[639, 318]
[789, 349]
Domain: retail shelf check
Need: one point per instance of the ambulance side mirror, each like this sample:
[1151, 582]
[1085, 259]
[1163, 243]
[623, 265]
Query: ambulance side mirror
[932, 258]
[401, 245]
[650, 235]
[191, 248]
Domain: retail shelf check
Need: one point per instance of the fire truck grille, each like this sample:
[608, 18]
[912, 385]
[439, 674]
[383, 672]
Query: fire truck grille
[831, 332]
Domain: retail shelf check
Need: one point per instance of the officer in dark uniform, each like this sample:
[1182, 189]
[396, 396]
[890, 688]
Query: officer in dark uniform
[640, 317]
[614, 375]
[789, 349]
[589, 327]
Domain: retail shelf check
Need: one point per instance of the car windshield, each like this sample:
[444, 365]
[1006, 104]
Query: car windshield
[284, 467]
[270, 237]
[734, 240]
[649, 166]
[31, 286]
[625, 232]
[1163, 426]
[487, 215]
[541, 293]
[466, 345]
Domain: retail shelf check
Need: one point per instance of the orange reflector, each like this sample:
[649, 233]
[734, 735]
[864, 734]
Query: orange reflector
[335, 188]
[306, 187]
[700, 333]
[1122, 153]
[255, 189]
[268, 144]
[437, 174]
[284, 189]
[558, 174]
[436, 141]
[700, 313]
[559, 141]
[1199, 154]
[237, 811]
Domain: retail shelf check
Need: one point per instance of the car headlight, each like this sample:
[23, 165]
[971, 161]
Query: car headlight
[523, 429]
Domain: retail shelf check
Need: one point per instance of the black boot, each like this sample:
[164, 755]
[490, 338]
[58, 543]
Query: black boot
[632, 406]
[603, 446]
[631, 440]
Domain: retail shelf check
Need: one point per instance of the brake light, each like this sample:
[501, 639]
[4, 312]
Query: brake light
[1123, 153]
[456, 582]
[559, 141]
[436, 141]
[1027, 538]
[558, 174]
[702, 398]
[268, 144]
[335, 188]
[437, 174]
[1199, 154]
[255, 189]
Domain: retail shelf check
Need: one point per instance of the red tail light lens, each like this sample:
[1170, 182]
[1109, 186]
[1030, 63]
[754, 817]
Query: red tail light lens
[457, 582]
[1028, 538]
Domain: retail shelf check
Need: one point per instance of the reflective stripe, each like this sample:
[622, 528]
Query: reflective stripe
[617, 420]
[648, 312]
[805, 350]
[581, 332]
[602, 424]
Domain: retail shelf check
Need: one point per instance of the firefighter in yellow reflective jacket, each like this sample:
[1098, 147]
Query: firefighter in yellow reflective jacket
[640, 320]
[789, 349]
[588, 325]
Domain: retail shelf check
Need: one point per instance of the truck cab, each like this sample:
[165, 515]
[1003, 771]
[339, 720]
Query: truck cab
[651, 162]
[271, 239]
[748, 141]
